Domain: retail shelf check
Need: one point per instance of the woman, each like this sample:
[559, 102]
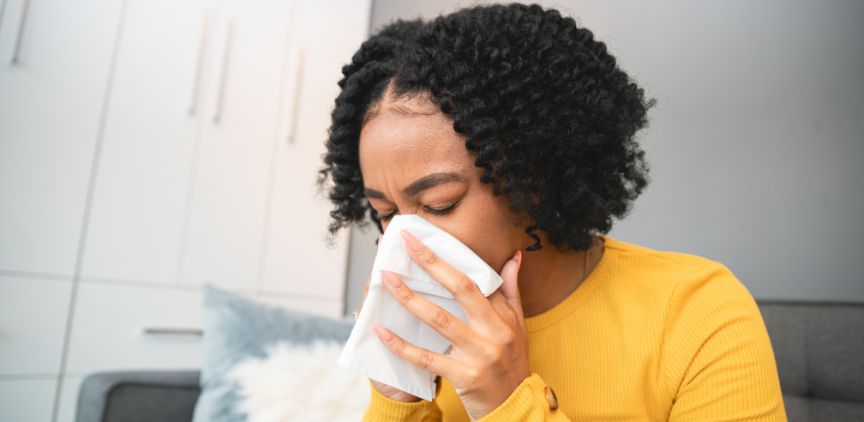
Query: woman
[511, 128]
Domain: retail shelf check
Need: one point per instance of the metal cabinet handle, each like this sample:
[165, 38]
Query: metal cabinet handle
[223, 78]
[295, 104]
[22, 21]
[196, 83]
[197, 332]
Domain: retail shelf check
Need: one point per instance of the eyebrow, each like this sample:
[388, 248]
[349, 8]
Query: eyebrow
[421, 184]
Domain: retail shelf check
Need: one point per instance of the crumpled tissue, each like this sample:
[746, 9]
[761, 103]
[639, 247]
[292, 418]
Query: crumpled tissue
[364, 353]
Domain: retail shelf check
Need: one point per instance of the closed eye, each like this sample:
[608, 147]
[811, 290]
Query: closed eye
[441, 211]
[431, 210]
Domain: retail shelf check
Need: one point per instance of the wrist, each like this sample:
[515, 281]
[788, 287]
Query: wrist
[516, 398]
[393, 393]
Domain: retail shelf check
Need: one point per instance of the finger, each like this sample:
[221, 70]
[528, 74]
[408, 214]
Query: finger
[463, 289]
[510, 286]
[502, 306]
[452, 328]
[433, 362]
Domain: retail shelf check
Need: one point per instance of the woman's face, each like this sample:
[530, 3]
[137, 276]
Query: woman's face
[413, 162]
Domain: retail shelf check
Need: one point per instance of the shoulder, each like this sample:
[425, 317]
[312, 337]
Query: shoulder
[711, 326]
[670, 276]
[691, 295]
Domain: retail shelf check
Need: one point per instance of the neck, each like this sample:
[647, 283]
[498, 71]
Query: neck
[548, 276]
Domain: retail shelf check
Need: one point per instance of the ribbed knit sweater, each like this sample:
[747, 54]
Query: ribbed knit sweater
[648, 335]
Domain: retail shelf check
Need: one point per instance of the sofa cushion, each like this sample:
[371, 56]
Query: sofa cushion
[138, 396]
[819, 348]
[248, 340]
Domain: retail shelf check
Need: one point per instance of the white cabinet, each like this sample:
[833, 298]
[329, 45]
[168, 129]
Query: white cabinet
[297, 259]
[50, 105]
[68, 406]
[185, 138]
[153, 118]
[213, 135]
[121, 327]
[32, 323]
[27, 399]
[227, 210]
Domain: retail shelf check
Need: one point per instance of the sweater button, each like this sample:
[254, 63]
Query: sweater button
[551, 398]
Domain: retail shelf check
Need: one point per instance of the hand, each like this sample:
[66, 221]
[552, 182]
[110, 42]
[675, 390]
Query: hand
[388, 391]
[489, 356]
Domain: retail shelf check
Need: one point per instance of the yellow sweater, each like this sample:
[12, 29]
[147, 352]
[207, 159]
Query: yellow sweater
[649, 335]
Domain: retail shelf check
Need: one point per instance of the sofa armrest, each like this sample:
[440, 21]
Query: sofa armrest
[132, 396]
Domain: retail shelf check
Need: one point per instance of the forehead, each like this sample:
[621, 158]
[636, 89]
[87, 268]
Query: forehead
[407, 138]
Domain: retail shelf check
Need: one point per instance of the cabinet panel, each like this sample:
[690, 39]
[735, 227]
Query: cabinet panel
[152, 120]
[49, 118]
[69, 399]
[32, 325]
[232, 175]
[110, 323]
[27, 399]
[297, 257]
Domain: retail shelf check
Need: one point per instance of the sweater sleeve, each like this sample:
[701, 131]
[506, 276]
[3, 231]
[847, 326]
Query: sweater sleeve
[526, 403]
[384, 409]
[716, 356]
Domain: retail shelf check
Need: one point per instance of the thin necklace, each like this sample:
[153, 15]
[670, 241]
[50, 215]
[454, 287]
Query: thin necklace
[585, 265]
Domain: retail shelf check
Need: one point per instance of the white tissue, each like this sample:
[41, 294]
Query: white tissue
[364, 353]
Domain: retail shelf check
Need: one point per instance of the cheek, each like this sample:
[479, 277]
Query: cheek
[487, 227]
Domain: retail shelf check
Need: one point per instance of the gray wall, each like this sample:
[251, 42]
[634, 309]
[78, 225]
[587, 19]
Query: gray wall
[755, 145]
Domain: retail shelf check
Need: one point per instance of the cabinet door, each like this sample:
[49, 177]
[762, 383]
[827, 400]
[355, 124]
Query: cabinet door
[297, 258]
[32, 325]
[27, 399]
[152, 119]
[50, 104]
[121, 327]
[68, 406]
[232, 175]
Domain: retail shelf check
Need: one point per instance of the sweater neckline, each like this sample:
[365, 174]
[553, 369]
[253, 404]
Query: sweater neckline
[597, 276]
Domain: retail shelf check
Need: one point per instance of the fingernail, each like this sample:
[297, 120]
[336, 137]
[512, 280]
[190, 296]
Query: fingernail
[383, 334]
[411, 241]
[518, 257]
[391, 279]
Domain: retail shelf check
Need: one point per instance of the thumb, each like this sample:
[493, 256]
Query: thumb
[510, 286]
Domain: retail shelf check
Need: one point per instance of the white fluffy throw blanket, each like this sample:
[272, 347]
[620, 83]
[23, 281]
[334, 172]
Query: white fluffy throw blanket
[300, 383]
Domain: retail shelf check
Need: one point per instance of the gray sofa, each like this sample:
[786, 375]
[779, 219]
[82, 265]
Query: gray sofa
[819, 349]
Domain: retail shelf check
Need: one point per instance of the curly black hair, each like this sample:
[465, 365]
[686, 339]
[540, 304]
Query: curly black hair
[544, 106]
